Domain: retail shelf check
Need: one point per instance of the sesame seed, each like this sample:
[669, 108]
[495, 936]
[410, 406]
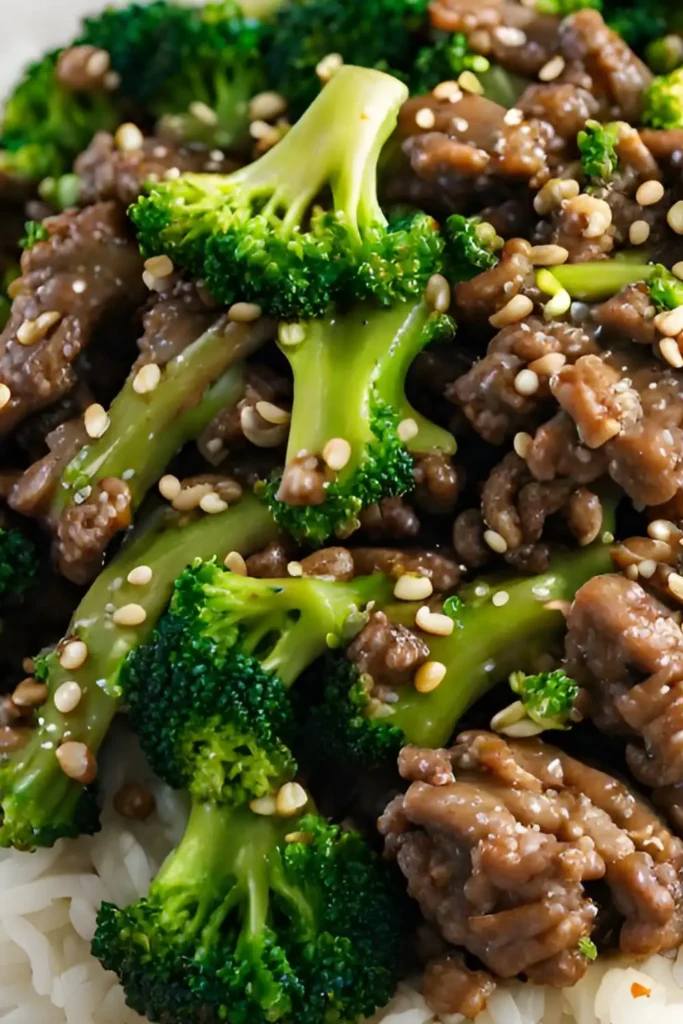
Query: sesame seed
[129, 615]
[407, 430]
[171, 173]
[79, 287]
[159, 266]
[675, 584]
[290, 798]
[146, 379]
[639, 232]
[429, 676]
[677, 270]
[32, 331]
[674, 217]
[558, 305]
[298, 837]
[77, 762]
[263, 805]
[500, 598]
[96, 420]
[433, 622]
[631, 572]
[5, 395]
[112, 80]
[266, 106]
[555, 191]
[548, 255]
[660, 529]
[328, 66]
[29, 694]
[647, 568]
[189, 498]
[337, 453]
[273, 413]
[671, 353]
[438, 293]
[291, 334]
[549, 364]
[244, 312]
[597, 213]
[128, 137]
[97, 64]
[425, 118]
[607, 537]
[212, 504]
[526, 383]
[140, 576]
[235, 563]
[649, 193]
[508, 35]
[410, 587]
[295, 569]
[447, 91]
[67, 697]
[553, 69]
[512, 312]
[73, 655]
[523, 443]
[169, 487]
[203, 113]
[670, 322]
[460, 124]
[469, 82]
[513, 116]
[495, 541]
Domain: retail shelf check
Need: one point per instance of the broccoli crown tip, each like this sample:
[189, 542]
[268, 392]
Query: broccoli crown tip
[597, 146]
[663, 101]
[18, 566]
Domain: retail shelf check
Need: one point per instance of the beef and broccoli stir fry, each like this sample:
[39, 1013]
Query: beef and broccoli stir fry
[341, 418]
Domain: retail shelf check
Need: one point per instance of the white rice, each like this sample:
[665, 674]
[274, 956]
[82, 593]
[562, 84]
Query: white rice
[49, 900]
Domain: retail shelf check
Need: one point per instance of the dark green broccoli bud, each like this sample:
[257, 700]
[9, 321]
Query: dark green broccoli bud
[196, 68]
[488, 642]
[665, 289]
[258, 918]
[597, 142]
[446, 58]
[45, 124]
[381, 34]
[598, 280]
[39, 803]
[562, 8]
[35, 232]
[207, 694]
[470, 246]
[546, 701]
[638, 23]
[18, 567]
[663, 101]
[256, 235]
[371, 350]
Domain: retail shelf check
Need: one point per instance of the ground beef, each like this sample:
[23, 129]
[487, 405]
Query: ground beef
[303, 481]
[390, 519]
[84, 531]
[173, 319]
[389, 653]
[664, 145]
[451, 987]
[556, 450]
[498, 854]
[629, 315]
[564, 105]
[107, 172]
[444, 572]
[438, 483]
[468, 539]
[489, 291]
[33, 492]
[272, 562]
[335, 563]
[88, 268]
[226, 432]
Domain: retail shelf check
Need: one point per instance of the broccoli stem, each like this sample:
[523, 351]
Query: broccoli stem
[598, 280]
[489, 643]
[37, 797]
[146, 430]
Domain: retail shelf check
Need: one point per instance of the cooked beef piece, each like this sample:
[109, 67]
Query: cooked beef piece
[565, 106]
[272, 562]
[107, 172]
[438, 483]
[625, 647]
[84, 531]
[174, 318]
[390, 654]
[498, 853]
[226, 432]
[451, 987]
[556, 450]
[330, 563]
[572, 225]
[468, 539]
[629, 315]
[390, 519]
[88, 268]
[78, 72]
[664, 145]
[489, 291]
[443, 571]
[33, 491]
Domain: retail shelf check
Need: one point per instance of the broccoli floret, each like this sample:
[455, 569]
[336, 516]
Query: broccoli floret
[39, 803]
[562, 8]
[207, 694]
[546, 701]
[18, 567]
[371, 350]
[255, 235]
[597, 142]
[258, 918]
[487, 643]
[587, 948]
[196, 68]
[663, 101]
[446, 58]
[665, 289]
[639, 22]
[35, 232]
[471, 246]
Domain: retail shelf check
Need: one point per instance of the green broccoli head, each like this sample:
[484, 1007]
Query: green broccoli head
[208, 693]
[471, 246]
[171, 57]
[445, 58]
[665, 289]
[35, 232]
[256, 235]
[258, 919]
[371, 350]
[548, 698]
[18, 566]
[663, 101]
[597, 145]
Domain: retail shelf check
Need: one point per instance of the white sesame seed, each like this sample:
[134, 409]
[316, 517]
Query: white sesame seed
[5, 395]
[649, 193]
[429, 676]
[500, 598]
[449, 92]
[597, 212]
[328, 66]
[510, 36]
[67, 697]
[291, 334]
[670, 322]
[526, 383]
[290, 798]
[129, 137]
[671, 353]
[548, 255]
[549, 364]
[512, 312]
[295, 569]
[433, 622]
[96, 420]
[203, 113]
[171, 173]
[558, 305]
[212, 504]
[273, 413]
[97, 64]
[513, 116]
[410, 587]
[146, 379]
[407, 430]
[189, 498]
[337, 453]
[32, 331]
[553, 69]
[425, 118]
[438, 293]
[523, 443]
[129, 615]
[639, 232]
[469, 82]
[495, 541]
[263, 805]
[647, 568]
[244, 312]
[660, 529]
[112, 80]
[73, 655]
[460, 124]
[140, 576]
[298, 837]
[169, 487]
[677, 270]
[631, 572]
[77, 762]
[266, 106]
[675, 584]
[159, 266]
[555, 191]
[235, 563]
[674, 217]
